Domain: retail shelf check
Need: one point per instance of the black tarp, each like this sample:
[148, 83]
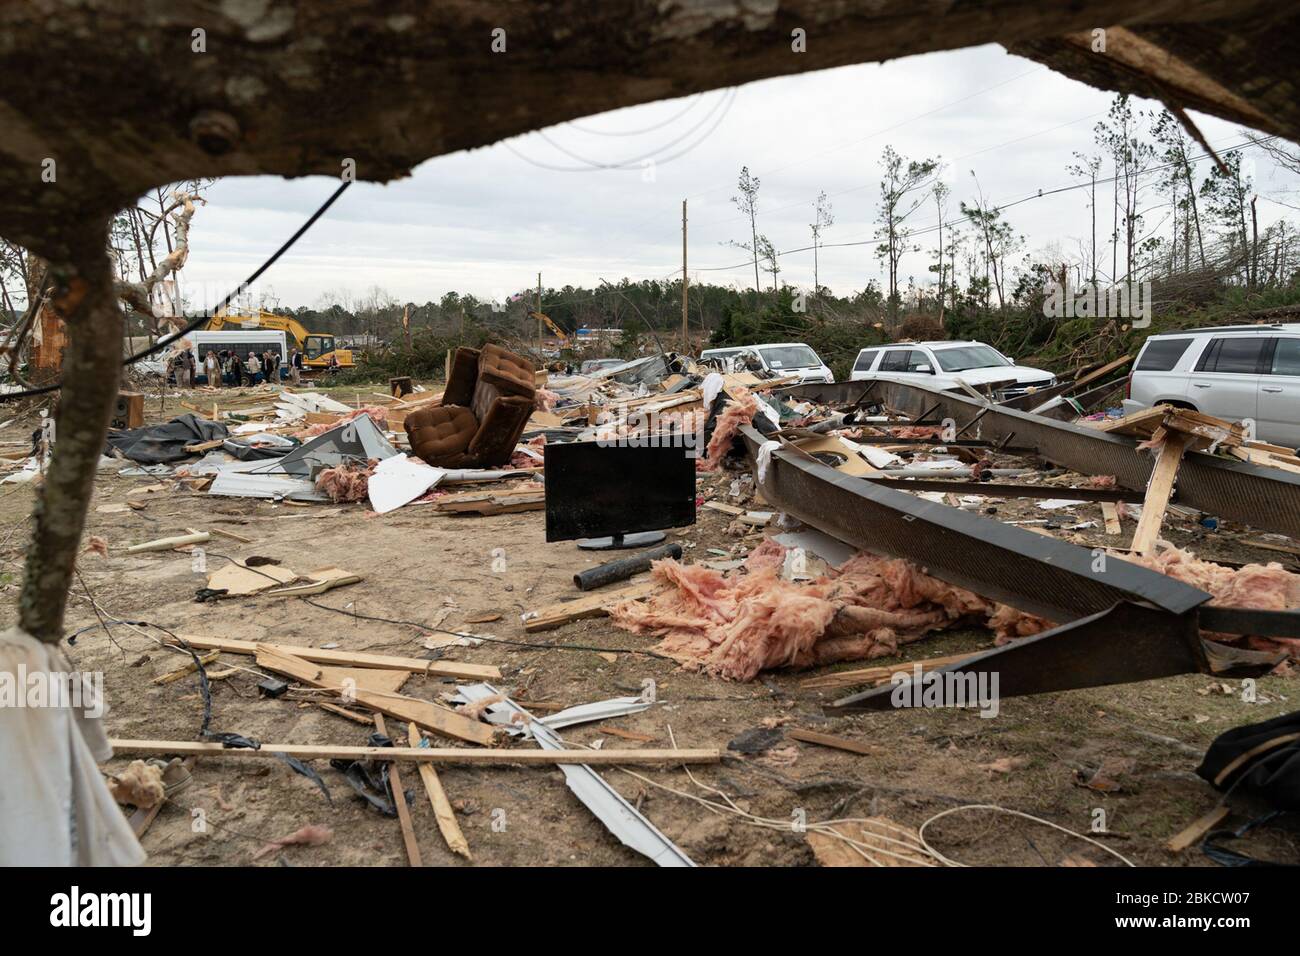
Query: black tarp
[164, 444]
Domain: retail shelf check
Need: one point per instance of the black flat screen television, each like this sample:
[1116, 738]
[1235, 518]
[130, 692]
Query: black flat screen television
[597, 490]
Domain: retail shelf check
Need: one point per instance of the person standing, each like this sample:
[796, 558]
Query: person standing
[295, 366]
[254, 368]
[212, 369]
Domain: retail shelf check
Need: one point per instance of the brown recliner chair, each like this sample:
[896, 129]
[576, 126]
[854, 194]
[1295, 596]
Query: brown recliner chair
[485, 408]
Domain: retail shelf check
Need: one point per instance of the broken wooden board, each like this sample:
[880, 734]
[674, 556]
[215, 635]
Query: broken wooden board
[463, 756]
[592, 605]
[878, 675]
[492, 503]
[1196, 830]
[1110, 515]
[399, 801]
[1160, 488]
[343, 658]
[433, 717]
[442, 811]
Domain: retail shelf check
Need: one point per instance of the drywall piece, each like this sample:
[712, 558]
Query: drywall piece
[238, 581]
[314, 402]
[400, 480]
[619, 817]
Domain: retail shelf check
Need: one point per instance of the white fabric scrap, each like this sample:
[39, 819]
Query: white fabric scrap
[55, 809]
[764, 458]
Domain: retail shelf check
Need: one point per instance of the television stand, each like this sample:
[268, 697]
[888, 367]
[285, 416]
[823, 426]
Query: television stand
[618, 542]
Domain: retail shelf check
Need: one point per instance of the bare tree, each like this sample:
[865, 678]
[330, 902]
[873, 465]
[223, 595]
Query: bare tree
[747, 203]
[823, 218]
[900, 196]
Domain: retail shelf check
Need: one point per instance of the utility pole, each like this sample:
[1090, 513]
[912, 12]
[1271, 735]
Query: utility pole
[686, 340]
[539, 315]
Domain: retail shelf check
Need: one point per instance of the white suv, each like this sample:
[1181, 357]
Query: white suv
[941, 364]
[1234, 372]
[779, 358]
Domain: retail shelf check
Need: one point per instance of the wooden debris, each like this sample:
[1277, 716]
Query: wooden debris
[342, 658]
[1110, 515]
[442, 811]
[878, 675]
[344, 712]
[463, 756]
[1196, 830]
[592, 605]
[238, 580]
[185, 671]
[434, 717]
[1160, 488]
[399, 801]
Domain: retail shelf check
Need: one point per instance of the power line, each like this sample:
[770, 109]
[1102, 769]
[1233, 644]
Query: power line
[724, 104]
[694, 101]
[1040, 194]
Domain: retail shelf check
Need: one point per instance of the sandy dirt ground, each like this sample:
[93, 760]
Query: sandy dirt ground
[415, 563]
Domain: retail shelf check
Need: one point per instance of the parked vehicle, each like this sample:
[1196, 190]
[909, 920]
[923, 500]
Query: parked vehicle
[941, 364]
[778, 358]
[1235, 372]
[241, 343]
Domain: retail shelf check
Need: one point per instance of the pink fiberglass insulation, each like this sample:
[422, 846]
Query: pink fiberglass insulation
[346, 482]
[737, 412]
[1264, 587]
[734, 627]
[544, 399]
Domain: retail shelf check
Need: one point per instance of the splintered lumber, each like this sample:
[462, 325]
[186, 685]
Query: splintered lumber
[451, 756]
[1159, 490]
[492, 503]
[1110, 514]
[1197, 829]
[593, 605]
[399, 801]
[828, 740]
[353, 658]
[167, 544]
[442, 811]
[1101, 372]
[433, 717]
[878, 675]
[344, 712]
[185, 671]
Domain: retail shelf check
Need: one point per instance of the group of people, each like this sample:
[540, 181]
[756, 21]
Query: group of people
[228, 367]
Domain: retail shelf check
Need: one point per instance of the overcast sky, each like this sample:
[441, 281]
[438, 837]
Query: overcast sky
[487, 221]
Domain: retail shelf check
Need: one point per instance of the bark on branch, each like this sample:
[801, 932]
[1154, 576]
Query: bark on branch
[83, 294]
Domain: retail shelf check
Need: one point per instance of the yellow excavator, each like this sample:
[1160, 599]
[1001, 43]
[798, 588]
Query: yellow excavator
[317, 348]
